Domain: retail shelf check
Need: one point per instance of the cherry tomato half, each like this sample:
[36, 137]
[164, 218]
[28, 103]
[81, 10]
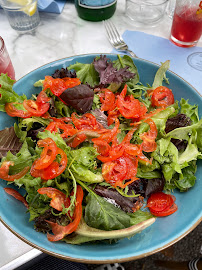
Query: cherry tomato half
[162, 97]
[161, 204]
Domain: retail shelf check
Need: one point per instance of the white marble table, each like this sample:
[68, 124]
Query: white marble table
[58, 36]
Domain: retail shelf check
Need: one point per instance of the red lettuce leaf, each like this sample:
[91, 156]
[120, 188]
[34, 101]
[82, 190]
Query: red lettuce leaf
[79, 97]
[9, 142]
[108, 74]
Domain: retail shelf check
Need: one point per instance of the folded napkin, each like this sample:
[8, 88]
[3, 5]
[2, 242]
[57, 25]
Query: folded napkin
[186, 62]
[51, 5]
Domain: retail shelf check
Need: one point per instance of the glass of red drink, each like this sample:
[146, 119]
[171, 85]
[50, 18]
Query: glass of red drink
[187, 23]
[5, 61]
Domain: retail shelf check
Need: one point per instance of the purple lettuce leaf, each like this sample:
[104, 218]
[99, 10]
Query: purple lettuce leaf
[108, 74]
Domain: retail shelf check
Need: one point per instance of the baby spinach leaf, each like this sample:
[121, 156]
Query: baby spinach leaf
[103, 215]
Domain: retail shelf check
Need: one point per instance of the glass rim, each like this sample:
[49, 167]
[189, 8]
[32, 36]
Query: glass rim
[2, 44]
[150, 4]
[4, 5]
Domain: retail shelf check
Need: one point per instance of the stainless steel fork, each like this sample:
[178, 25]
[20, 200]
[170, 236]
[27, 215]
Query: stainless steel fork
[115, 39]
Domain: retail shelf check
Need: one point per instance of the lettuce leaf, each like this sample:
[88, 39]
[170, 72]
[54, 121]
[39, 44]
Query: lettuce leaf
[6, 92]
[9, 142]
[190, 110]
[103, 215]
[161, 75]
[86, 73]
[21, 160]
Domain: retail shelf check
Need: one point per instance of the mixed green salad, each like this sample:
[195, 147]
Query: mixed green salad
[97, 152]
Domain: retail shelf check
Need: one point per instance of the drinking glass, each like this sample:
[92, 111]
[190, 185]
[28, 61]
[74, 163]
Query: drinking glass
[5, 61]
[145, 12]
[23, 16]
[187, 23]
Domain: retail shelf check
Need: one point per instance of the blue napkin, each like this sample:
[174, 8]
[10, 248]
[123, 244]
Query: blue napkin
[51, 5]
[185, 62]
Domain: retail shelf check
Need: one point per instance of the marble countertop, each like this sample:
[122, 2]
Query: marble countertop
[58, 36]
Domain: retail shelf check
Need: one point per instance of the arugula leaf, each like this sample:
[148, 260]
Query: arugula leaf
[103, 215]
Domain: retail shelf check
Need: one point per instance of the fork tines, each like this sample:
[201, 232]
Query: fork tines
[114, 36]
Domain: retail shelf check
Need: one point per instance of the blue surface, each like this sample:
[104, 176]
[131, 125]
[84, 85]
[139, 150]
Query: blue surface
[162, 233]
[51, 5]
[186, 62]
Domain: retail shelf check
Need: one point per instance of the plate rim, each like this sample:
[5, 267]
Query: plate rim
[94, 261]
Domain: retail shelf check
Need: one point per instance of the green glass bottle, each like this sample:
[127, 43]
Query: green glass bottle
[95, 10]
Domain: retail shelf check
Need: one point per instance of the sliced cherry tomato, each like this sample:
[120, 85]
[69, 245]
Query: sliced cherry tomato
[87, 121]
[12, 111]
[57, 196]
[38, 107]
[112, 115]
[119, 170]
[159, 201]
[114, 171]
[149, 144]
[107, 99]
[16, 195]
[110, 134]
[114, 153]
[4, 171]
[71, 82]
[48, 154]
[165, 212]
[161, 204]
[80, 137]
[162, 97]
[57, 126]
[130, 107]
[58, 86]
[59, 232]
[53, 170]
[102, 147]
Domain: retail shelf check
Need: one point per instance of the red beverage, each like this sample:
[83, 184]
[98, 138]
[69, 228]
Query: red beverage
[9, 70]
[187, 27]
[5, 61]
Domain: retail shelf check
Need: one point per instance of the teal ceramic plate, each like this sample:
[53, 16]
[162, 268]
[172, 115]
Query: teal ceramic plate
[161, 234]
